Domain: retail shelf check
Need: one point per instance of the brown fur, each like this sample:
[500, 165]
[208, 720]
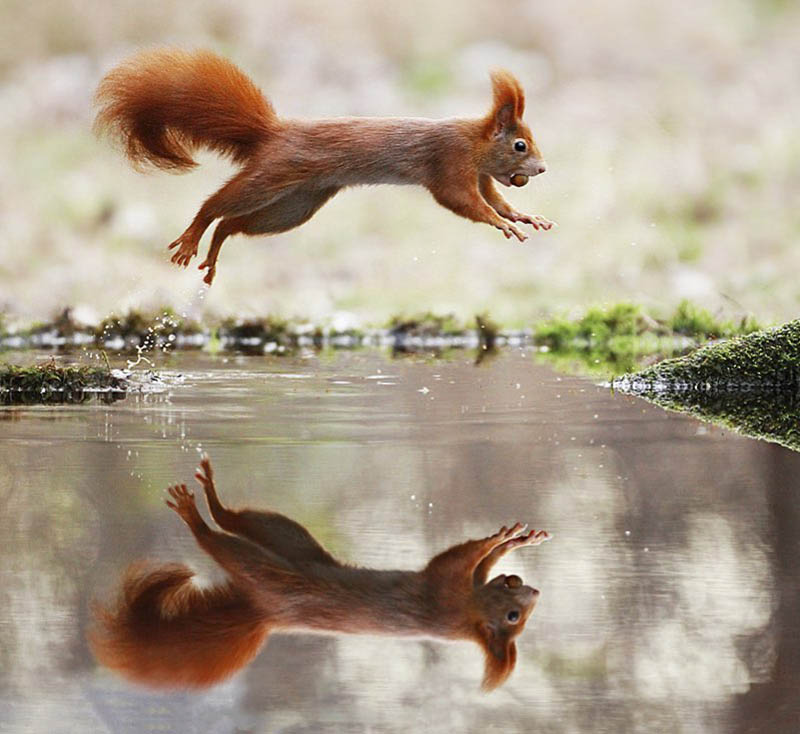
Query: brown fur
[163, 104]
[165, 632]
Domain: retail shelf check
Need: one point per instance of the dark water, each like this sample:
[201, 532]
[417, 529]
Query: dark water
[670, 598]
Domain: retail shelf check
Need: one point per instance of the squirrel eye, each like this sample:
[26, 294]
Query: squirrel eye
[513, 616]
[520, 146]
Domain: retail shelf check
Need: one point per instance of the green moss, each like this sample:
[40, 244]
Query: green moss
[691, 320]
[761, 359]
[256, 335]
[750, 384]
[425, 324]
[596, 326]
[621, 338]
[51, 383]
[145, 329]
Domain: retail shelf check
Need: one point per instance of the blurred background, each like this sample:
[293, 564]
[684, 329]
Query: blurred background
[670, 130]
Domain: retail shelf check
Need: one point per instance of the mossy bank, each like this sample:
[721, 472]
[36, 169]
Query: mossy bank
[748, 384]
[52, 383]
[763, 360]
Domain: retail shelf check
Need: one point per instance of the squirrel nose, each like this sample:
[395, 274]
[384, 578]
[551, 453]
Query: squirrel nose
[541, 167]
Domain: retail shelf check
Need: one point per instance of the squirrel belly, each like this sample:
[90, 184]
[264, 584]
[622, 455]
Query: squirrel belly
[161, 105]
[166, 632]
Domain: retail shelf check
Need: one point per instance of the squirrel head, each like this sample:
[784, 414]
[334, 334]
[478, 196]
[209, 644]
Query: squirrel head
[503, 606]
[510, 149]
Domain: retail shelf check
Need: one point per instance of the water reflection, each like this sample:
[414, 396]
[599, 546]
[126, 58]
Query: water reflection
[771, 414]
[669, 594]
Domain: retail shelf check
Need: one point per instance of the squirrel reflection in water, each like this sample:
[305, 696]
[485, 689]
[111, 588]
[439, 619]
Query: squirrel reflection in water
[165, 631]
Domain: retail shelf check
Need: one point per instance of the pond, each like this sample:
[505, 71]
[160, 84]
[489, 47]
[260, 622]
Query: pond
[669, 593]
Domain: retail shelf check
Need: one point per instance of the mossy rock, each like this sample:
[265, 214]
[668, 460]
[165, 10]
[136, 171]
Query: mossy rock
[765, 359]
[50, 383]
[749, 384]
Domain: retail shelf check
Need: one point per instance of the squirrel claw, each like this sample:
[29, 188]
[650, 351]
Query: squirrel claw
[534, 537]
[204, 473]
[510, 232]
[537, 221]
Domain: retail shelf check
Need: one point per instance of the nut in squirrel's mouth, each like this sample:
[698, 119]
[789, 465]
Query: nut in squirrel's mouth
[513, 179]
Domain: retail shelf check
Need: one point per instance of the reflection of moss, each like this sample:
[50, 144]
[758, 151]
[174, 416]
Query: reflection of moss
[749, 383]
[50, 383]
[592, 666]
[768, 414]
[487, 332]
[615, 356]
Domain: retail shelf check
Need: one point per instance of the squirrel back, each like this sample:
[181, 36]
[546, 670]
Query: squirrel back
[161, 104]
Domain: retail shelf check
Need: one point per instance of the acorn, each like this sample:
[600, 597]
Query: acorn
[519, 179]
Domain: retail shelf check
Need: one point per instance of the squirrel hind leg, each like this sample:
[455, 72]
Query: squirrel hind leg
[224, 229]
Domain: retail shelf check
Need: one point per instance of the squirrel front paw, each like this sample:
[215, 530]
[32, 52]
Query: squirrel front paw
[506, 533]
[510, 231]
[533, 537]
[184, 504]
[187, 249]
[537, 221]
[205, 473]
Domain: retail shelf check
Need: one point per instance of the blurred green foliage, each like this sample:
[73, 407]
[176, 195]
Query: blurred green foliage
[618, 339]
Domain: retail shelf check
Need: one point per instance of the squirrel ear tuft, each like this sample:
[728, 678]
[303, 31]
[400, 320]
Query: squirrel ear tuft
[501, 656]
[509, 101]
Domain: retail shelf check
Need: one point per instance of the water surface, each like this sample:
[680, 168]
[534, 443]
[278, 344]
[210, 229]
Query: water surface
[669, 598]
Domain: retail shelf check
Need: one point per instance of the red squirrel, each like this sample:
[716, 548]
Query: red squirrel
[162, 104]
[166, 632]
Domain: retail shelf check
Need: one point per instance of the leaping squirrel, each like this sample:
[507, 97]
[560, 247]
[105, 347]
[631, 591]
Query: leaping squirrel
[162, 104]
[166, 632]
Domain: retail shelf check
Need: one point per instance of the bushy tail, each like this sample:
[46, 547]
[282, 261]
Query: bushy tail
[162, 104]
[166, 632]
